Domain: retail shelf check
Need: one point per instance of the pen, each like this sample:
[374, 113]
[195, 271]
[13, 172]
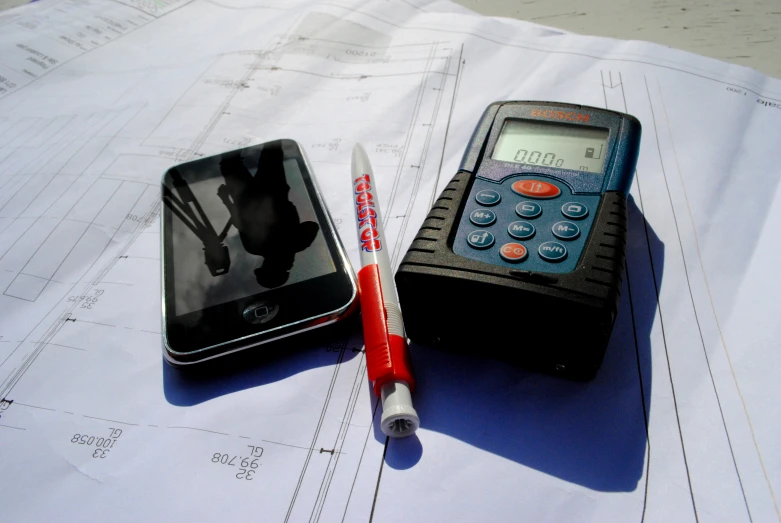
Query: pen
[387, 354]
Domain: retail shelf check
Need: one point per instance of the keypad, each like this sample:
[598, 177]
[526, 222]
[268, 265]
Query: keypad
[535, 224]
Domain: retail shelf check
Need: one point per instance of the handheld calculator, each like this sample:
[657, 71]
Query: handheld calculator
[522, 254]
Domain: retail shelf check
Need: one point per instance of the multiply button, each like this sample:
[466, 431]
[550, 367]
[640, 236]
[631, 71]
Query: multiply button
[488, 197]
[513, 252]
[535, 189]
[528, 210]
[552, 251]
[521, 230]
[480, 239]
[566, 230]
[574, 210]
[482, 217]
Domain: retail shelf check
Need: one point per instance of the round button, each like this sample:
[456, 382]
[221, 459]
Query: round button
[528, 210]
[480, 239]
[482, 217]
[566, 230]
[513, 252]
[488, 197]
[521, 230]
[260, 312]
[552, 251]
[535, 189]
[574, 210]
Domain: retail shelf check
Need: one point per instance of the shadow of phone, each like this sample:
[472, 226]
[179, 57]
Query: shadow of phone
[260, 365]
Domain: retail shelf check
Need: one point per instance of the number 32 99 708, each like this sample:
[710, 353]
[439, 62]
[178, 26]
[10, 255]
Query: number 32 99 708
[247, 465]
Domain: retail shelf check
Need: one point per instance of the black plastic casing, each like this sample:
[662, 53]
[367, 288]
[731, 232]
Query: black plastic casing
[557, 323]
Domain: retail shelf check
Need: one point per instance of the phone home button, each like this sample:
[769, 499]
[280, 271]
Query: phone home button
[260, 312]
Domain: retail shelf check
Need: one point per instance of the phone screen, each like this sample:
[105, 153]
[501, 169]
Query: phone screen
[242, 223]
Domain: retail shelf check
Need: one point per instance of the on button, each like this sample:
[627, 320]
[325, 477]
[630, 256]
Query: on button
[513, 252]
[535, 189]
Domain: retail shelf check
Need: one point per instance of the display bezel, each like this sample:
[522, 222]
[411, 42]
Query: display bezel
[585, 182]
[534, 135]
[221, 328]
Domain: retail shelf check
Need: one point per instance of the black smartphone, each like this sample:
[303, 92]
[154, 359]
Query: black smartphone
[250, 253]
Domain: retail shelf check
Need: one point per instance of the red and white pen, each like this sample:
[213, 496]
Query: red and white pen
[387, 354]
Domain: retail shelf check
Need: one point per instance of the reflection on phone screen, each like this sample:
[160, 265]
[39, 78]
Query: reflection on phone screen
[243, 223]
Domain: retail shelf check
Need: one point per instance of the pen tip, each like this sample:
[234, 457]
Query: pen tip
[359, 155]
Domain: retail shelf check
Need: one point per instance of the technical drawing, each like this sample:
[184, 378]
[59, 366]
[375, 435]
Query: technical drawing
[86, 240]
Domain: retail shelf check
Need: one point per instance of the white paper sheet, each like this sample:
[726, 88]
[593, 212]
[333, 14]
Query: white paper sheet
[680, 424]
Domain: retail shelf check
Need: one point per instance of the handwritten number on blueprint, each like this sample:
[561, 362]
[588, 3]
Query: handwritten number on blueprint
[246, 464]
[101, 444]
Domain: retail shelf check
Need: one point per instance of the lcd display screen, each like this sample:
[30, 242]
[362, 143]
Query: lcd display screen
[574, 147]
[243, 223]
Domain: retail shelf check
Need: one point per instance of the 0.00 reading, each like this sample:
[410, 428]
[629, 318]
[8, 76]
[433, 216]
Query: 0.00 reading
[537, 158]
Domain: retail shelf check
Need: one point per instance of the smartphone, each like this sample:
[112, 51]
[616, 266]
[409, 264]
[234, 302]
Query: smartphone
[250, 253]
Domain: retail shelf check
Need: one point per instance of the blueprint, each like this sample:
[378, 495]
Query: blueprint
[99, 98]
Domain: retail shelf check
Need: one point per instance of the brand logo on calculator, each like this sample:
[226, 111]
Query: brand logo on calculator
[561, 115]
[367, 215]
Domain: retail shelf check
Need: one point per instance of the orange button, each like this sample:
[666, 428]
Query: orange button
[535, 189]
[513, 252]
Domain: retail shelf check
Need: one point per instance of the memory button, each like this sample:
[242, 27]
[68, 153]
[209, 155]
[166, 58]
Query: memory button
[565, 231]
[482, 217]
[521, 230]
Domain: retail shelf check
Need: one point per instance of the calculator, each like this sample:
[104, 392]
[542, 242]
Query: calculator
[522, 254]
